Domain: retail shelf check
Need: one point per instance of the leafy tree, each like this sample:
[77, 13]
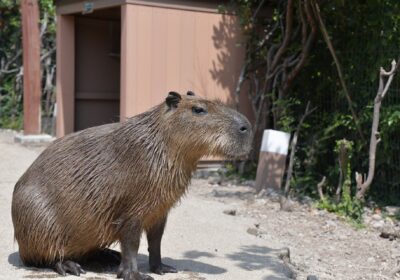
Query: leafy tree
[365, 35]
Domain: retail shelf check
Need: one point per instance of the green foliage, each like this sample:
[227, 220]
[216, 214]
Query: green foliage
[348, 206]
[287, 122]
[11, 97]
[11, 108]
[397, 216]
[366, 36]
[352, 209]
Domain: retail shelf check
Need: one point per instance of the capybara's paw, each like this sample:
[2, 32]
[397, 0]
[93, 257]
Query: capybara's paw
[162, 268]
[64, 267]
[133, 275]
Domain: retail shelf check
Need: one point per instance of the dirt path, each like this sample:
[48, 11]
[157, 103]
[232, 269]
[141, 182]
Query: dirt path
[200, 240]
[320, 243]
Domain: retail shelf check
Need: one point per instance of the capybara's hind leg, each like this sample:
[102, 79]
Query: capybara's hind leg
[64, 267]
[130, 239]
[154, 236]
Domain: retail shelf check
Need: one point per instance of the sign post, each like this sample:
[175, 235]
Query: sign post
[272, 160]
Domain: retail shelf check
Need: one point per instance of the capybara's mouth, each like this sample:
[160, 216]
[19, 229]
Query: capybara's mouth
[237, 156]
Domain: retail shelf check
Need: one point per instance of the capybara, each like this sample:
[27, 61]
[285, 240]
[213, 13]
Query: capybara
[110, 183]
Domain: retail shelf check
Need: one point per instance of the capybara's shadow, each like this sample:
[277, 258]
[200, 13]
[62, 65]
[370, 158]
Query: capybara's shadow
[194, 266]
[107, 261]
[15, 260]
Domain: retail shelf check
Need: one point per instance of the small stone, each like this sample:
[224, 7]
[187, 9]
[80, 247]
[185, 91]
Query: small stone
[392, 210]
[367, 210]
[250, 183]
[262, 193]
[322, 212]
[367, 219]
[286, 204]
[376, 217]
[329, 225]
[378, 224]
[284, 254]
[312, 277]
[389, 221]
[273, 194]
[231, 212]
[223, 183]
[214, 180]
[252, 231]
[307, 200]
[370, 260]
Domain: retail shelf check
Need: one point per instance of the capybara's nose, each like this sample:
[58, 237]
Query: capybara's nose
[244, 128]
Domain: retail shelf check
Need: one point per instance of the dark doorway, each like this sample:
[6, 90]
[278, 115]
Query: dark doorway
[97, 68]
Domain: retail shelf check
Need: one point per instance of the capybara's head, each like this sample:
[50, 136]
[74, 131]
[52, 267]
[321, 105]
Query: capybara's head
[204, 127]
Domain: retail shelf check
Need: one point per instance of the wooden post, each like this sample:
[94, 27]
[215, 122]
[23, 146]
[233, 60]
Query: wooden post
[128, 106]
[65, 85]
[31, 63]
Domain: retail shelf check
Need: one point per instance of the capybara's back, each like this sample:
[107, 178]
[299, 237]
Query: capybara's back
[91, 188]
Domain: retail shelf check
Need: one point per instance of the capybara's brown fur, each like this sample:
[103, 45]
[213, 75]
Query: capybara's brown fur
[79, 193]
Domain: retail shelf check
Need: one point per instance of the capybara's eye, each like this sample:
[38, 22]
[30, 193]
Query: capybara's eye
[199, 110]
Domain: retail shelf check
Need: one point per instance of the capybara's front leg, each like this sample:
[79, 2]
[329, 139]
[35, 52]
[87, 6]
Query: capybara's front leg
[130, 239]
[154, 236]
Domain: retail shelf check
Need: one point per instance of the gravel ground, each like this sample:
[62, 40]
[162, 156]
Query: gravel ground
[320, 243]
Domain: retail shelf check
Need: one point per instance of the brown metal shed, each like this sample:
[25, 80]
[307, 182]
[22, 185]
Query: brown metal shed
[117, 58]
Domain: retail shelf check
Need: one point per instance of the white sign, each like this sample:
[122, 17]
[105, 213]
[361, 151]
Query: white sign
[275, 141]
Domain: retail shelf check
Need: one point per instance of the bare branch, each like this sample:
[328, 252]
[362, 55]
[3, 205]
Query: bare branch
[306, 47]
[47, 54]
[287, 36]
[320, 186]
[364, 184]
[257, 10]
[293, 146]
[10, 61]
[383, 72]
[43, 27]
[390, 79]
[303, 24]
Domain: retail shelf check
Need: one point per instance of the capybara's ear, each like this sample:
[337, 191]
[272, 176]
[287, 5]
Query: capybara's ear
[173, 99]
[191, 93]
